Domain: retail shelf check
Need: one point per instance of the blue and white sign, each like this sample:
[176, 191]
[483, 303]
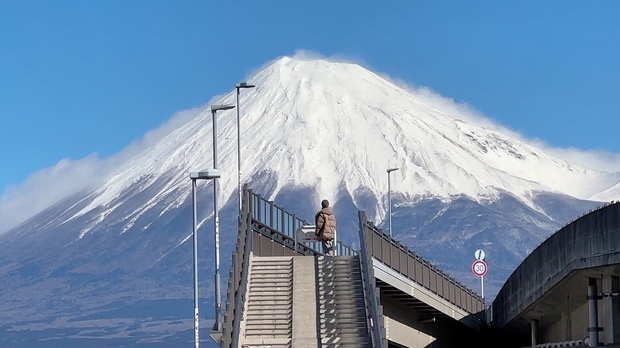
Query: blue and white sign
[479, 254]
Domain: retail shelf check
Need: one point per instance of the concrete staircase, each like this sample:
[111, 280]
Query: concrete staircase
[305, 302]
[268, 313]
[341, 305]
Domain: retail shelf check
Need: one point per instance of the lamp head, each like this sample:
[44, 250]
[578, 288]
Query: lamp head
[392, 170]
[244, 85]
[205, 174]
[215, 108]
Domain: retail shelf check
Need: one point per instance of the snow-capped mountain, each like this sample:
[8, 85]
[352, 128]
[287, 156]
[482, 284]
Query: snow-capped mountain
[312, 129]
[321, 124]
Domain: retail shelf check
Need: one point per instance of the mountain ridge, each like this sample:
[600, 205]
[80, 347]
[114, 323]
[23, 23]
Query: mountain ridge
[319, 133]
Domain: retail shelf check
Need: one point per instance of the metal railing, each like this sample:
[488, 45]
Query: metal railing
[406, 262]
[245, 270]
[275, 222]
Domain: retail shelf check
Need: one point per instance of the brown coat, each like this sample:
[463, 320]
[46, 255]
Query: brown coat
[325, 217]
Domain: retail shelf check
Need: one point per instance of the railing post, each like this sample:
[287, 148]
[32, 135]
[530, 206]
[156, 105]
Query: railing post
[259, 209]
[271, 214]
[294, 225]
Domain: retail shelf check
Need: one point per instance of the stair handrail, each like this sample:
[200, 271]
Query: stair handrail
[240, 297]
[370, 293]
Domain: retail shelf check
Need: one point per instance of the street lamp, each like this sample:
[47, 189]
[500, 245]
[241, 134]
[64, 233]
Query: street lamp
[390, 199]
[207, 174]
[216, 220]
[238, 87]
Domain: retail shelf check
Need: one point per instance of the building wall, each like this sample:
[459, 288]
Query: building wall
[573, 326]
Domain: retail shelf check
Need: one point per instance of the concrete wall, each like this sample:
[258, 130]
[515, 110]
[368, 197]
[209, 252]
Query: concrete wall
[571, 327]
[413, 327]
[590, 241]
[402, 326]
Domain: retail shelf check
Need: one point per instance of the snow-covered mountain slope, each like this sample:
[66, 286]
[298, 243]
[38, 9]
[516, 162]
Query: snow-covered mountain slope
[611, 194]
[322, 124]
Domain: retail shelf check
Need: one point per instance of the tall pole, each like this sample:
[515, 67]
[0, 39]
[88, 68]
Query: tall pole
[218, 301]
[238, 154]
[238, 86]
[390, 200]
[216, 220]
[195, 235]
[390, 204]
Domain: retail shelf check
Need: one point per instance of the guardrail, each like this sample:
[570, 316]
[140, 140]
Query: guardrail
[245, 271]
[371, 296]
[276, 223]
[409, 264]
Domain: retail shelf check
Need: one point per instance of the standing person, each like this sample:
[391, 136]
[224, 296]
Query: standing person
[325, 222]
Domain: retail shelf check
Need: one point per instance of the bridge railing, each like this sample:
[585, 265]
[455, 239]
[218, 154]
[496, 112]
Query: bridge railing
[409, 264]
[277, 224]
[238, 277]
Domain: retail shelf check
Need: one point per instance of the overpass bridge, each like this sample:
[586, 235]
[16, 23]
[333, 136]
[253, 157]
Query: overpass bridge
[566, 292]
[282, 291]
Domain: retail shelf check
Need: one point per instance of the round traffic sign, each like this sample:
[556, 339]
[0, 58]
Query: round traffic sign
[479, 268]
[479, 254]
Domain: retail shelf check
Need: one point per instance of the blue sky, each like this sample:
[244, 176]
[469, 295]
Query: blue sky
[87, 78]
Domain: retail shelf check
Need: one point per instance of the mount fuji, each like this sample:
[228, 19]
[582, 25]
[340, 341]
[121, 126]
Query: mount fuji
[114, 262]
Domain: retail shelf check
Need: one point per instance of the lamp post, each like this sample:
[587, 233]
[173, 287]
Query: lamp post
[205, 174]
[216, 220]
[390, 199]
[238, 87]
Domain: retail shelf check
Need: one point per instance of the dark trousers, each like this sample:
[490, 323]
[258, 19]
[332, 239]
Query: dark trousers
[328, 247]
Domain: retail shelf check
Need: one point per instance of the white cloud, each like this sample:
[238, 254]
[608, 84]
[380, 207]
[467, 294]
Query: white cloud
[45, 187]
[50, 185]
[594, 159]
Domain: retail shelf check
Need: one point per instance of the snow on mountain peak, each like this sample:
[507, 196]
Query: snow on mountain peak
[324, 124]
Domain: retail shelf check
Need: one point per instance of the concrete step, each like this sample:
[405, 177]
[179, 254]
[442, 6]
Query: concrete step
[265, 331]
[273, 314]
[266, 303]
[342, 292]
[276, 289]
[329, 319]
[328, 341]
[266, 342]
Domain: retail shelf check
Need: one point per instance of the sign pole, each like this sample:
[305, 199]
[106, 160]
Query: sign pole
[479, 267]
